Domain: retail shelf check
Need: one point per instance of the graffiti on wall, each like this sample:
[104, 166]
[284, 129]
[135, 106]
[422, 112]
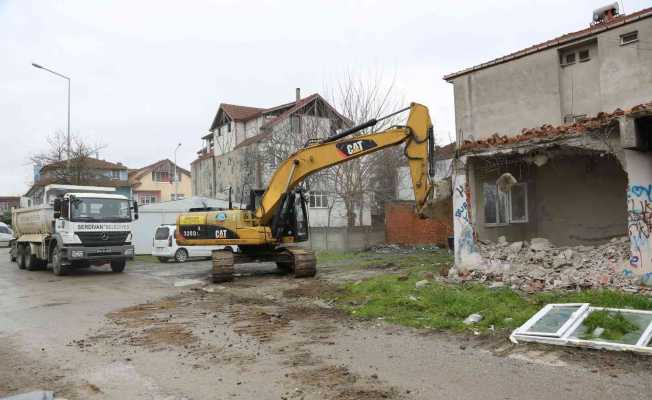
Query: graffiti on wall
[466, 240]
[639, 223]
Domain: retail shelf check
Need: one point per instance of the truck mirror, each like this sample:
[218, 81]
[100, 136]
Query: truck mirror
[135, 210]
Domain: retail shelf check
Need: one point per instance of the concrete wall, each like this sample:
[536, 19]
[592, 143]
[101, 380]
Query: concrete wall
[534, 90]
[639, 214]
[343, 239]
[565, 198]
[202, 177]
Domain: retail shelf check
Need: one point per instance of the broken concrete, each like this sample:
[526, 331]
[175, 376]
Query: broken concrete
[540, 266]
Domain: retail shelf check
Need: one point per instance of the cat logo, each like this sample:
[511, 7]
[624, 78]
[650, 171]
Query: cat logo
[348, 149]
[354, 147]
[221, 233]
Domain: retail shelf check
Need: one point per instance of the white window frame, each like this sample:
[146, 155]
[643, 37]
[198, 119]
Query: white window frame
[156, 176]
[146, 199]
[507, 210]
[318, 194]
[178, 196]
[509, 205]
[574, 322]
[525, 328]
[115, 174]
[622, 38]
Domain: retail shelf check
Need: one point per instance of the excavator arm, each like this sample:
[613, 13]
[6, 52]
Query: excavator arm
[417, 135]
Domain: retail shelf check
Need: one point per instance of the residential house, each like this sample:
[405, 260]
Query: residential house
[156, 182]
[554, 141]
[8, 202]
[86, 171]
[245, 144]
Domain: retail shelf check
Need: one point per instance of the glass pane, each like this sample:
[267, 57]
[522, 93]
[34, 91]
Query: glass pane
[489, 203]
[502, 207]
[553, 320]
[619, 327]
[518, 203]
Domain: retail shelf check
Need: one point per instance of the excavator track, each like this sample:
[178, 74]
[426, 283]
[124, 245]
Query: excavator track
[222, 266]
[304, 262]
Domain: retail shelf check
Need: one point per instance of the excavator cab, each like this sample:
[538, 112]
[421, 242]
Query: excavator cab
[290, 224]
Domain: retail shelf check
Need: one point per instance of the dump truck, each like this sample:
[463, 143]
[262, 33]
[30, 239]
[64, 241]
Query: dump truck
[74, 227]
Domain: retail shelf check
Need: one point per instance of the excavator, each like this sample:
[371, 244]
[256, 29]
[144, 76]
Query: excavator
[276, 219]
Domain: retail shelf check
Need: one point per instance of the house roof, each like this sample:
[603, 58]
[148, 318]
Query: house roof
[89, 182]
[135, 175]
[90, 163]
[9, 198]
[236, 113]
[558, 41]
[549, 132]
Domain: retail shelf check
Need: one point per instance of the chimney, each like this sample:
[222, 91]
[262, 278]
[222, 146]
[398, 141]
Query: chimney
[298, 94]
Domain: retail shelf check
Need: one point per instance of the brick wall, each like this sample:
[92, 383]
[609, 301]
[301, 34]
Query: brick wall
[403, 226]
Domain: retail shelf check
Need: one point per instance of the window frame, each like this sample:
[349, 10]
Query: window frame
[579, 55]
[622, 38]
[115, 174]
[497, 223]
[323, 197]
[151, 199]
[509, 205]
[159, 180]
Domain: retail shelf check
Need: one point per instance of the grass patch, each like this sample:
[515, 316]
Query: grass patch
[615, 325]
[441, 306]
[423, 259]
[146, 258]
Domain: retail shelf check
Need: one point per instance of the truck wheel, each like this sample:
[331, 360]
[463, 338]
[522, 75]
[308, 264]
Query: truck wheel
[12, 252]
[31, 262]
[181, 256]
[20, 256]
[57, 264]
[118, 265]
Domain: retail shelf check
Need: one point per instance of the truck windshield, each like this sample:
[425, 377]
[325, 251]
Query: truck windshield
[100, 210]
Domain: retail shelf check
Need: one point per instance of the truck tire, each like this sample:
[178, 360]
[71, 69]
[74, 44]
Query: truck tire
[181, 256]
[118, 265]
[57, 264]
[12, 252]
[31, 261]
[20, 256]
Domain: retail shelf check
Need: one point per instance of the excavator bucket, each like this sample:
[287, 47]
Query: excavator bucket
[439, 203]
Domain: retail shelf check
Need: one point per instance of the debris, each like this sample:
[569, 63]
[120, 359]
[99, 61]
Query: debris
[473, 319]
[597, 332]
[421, 284]
[187, 282]
[541, 266]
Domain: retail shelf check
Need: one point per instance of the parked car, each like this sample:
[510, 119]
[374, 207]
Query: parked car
[165, 248]
[6, 235]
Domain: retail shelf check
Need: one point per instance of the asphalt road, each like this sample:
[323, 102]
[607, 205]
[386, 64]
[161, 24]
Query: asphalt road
[99, 335]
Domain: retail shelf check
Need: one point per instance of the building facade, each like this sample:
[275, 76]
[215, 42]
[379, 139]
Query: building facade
[86, 171]
[245, 145]
[553, 142]
[156, 183]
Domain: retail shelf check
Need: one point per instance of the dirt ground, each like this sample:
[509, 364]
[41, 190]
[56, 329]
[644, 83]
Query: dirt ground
[98, 335]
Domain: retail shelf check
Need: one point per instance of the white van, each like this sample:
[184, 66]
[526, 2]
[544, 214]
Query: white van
[164, 246]
[6, 234]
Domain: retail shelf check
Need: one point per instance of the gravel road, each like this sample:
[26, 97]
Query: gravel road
[99, 335]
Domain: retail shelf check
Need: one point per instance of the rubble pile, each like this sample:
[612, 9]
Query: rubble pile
[537, 265]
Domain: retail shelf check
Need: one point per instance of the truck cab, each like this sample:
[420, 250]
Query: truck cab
[77, 229]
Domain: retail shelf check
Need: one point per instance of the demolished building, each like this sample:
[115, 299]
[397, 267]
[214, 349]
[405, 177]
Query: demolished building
[580, 172]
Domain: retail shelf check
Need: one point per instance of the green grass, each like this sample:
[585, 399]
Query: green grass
[615, 325]
[146, 258]
[423, 259]
[444, 307]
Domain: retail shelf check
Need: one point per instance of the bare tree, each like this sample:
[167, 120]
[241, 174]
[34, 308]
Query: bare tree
[361, 97]
[75, 170]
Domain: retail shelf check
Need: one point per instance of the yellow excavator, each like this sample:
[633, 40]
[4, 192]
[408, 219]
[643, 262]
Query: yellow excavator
[276, 218]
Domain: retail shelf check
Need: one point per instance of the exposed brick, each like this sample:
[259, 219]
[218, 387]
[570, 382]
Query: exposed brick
[403, 226]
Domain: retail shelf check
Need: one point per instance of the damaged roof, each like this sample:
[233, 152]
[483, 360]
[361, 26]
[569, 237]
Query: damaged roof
[548, 132]
[558, 41]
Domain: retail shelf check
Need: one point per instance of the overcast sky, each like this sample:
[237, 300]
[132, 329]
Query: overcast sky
[149, 74]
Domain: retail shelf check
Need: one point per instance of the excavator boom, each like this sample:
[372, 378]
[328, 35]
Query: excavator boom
[417, 135]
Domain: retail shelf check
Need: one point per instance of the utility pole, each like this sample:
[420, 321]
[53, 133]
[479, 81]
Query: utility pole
[68, 124]
[176, 179]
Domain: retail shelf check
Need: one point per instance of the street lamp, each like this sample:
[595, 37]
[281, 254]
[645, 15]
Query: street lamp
[176, 179]
[35, 65]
